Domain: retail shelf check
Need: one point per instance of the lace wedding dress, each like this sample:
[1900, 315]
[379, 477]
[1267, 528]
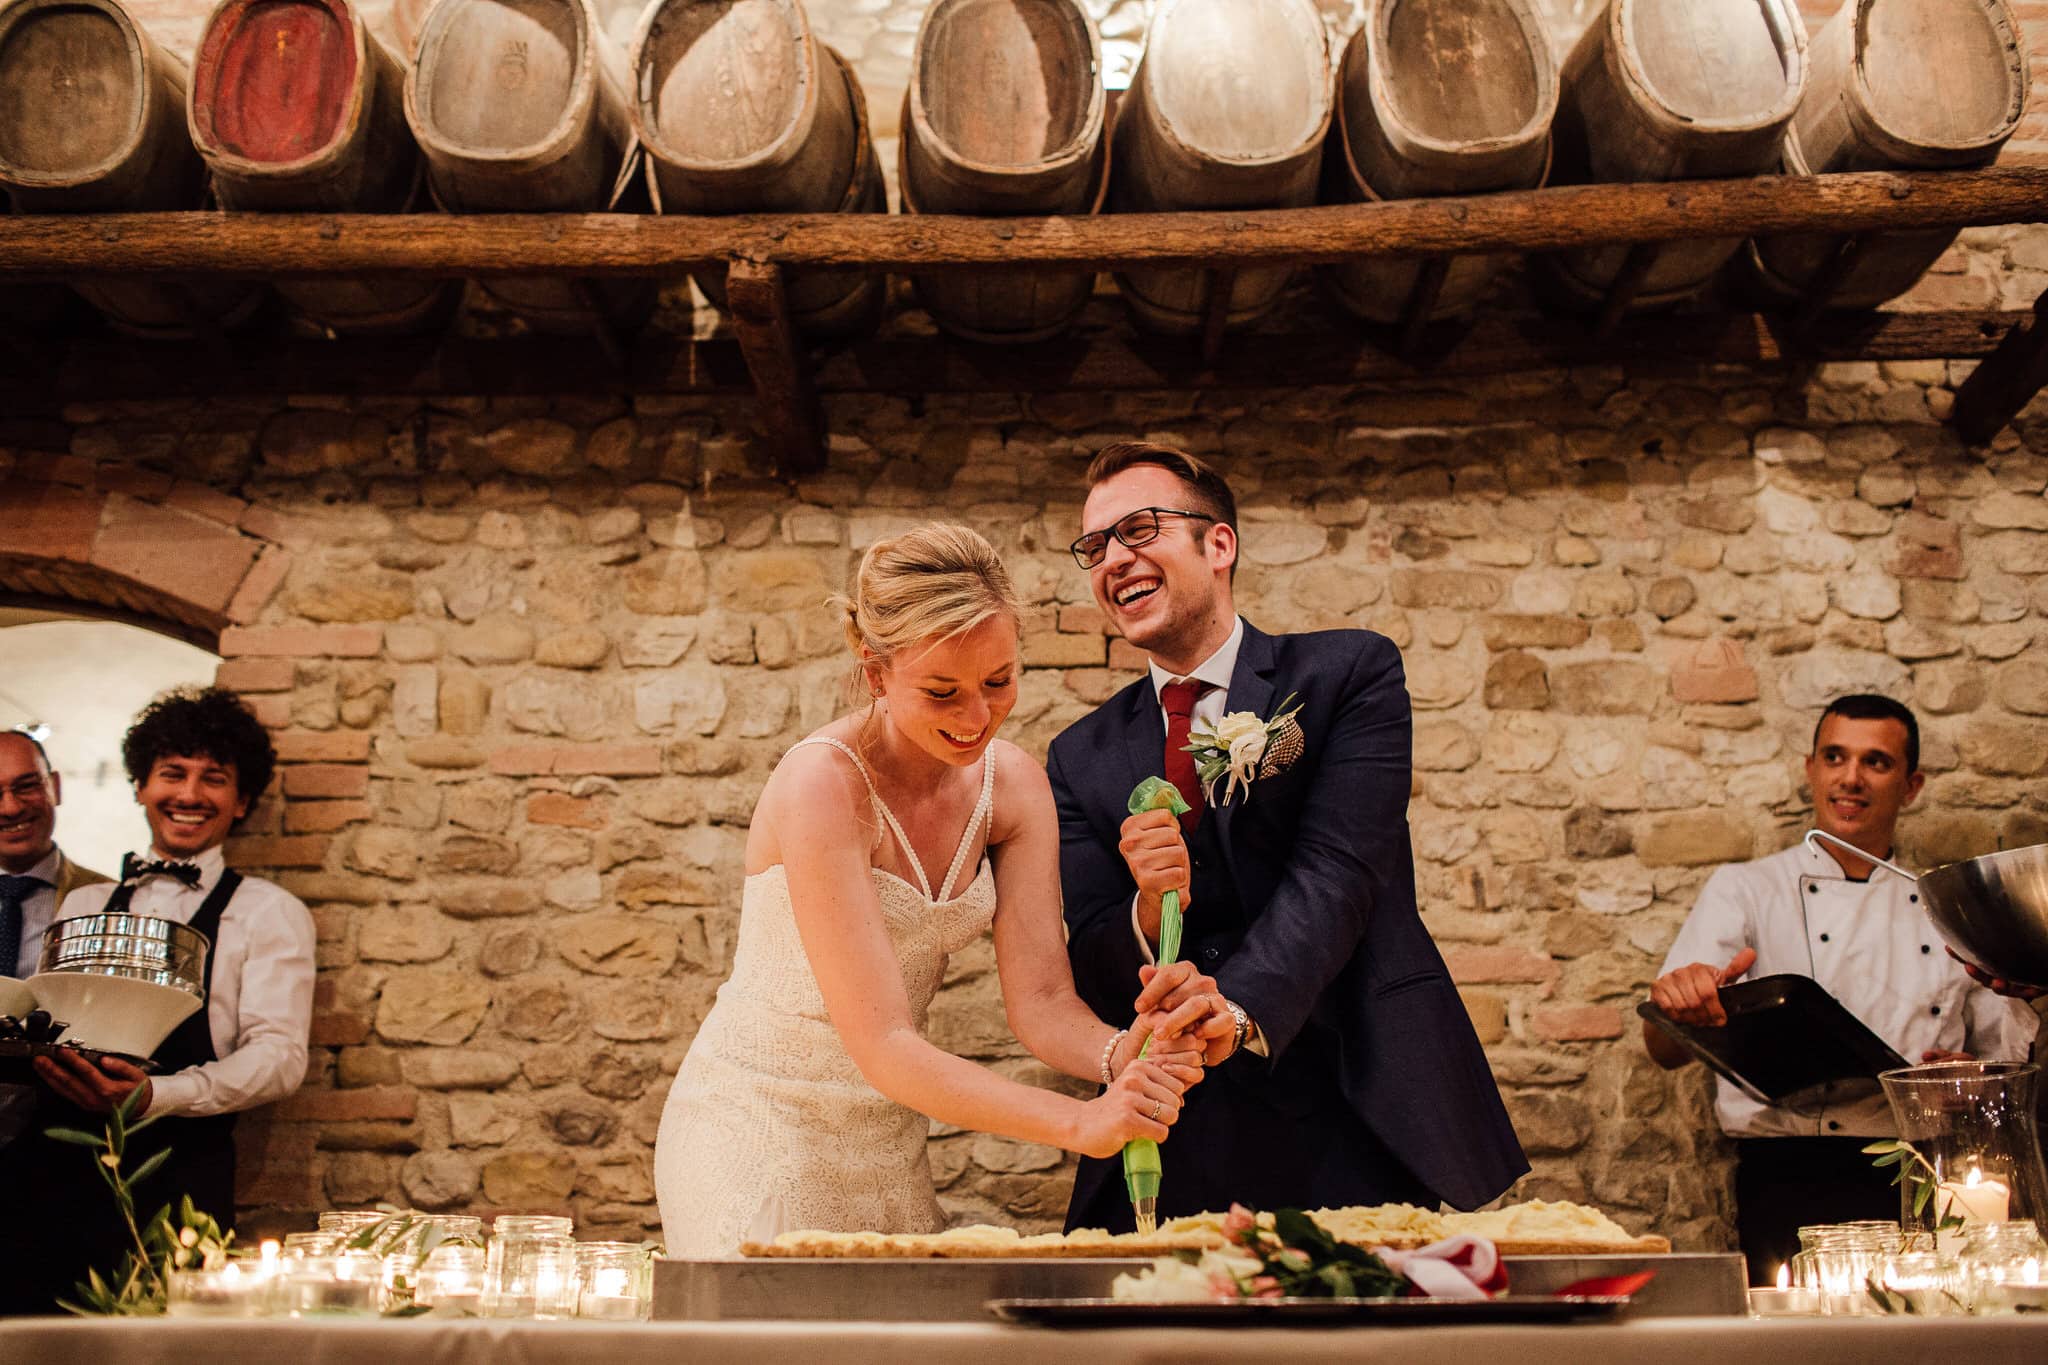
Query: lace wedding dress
[770, 1127]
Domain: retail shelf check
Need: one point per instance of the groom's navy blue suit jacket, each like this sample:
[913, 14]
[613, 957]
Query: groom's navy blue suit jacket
[1303, 909]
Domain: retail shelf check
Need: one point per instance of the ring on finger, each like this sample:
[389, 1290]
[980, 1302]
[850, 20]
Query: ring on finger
[1158, 1106]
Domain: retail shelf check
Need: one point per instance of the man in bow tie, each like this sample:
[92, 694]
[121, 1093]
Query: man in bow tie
[199, 760]
[1349, 1072]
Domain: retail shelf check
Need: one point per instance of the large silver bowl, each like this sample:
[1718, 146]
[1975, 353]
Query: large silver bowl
[1993, 911]
[139, 947]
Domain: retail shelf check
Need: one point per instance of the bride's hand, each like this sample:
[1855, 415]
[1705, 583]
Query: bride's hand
[1183, 1054]
[1182, 1002]
[1141, 1103]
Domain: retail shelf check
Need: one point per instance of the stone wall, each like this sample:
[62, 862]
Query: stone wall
[528, 663]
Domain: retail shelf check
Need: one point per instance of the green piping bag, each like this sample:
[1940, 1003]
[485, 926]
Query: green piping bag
[1141, 1155]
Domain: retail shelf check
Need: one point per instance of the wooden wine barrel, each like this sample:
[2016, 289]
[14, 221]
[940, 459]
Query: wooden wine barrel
[1227, 110]
[1437, 97]
[520, 106]
[740, 109]
[295, 105]
[1909, 84]
[1674, 90]
[1003, 116]
[92, 119]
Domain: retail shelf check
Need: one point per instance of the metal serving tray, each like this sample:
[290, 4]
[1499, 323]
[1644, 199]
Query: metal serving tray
[881, 1290]
[1786, 1038]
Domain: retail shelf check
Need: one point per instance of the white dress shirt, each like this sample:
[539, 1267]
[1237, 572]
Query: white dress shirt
[1869, 945]
[260, 1010]
[37, 910]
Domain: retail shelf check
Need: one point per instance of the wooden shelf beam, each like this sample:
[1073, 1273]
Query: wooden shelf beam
[629, 245]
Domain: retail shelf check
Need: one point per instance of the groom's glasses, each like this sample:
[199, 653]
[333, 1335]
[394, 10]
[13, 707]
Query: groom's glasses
[1133, 529]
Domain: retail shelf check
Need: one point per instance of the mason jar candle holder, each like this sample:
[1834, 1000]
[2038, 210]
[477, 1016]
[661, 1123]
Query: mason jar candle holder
[234, 1290]
[345, 1284]
[615, 1281]
[2003, 1268]
[530, 1267]
[299, 1245]
[450, 1281]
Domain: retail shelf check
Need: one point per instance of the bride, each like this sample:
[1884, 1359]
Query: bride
[886, 841]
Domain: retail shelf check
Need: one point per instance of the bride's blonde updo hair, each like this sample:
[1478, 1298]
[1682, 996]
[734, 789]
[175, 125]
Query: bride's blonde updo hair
[933, 582]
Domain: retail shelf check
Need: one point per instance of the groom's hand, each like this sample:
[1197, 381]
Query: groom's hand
[1158, 859]
[1179, 1002]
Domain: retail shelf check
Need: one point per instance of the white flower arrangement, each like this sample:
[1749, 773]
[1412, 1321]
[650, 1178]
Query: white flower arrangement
[1243, 747]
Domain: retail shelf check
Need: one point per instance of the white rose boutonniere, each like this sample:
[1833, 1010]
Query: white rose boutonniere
[1243, 747]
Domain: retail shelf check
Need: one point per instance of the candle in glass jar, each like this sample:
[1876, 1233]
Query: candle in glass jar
[1974, 1199]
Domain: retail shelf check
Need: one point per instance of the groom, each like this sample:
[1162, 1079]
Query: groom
[1355, 1076]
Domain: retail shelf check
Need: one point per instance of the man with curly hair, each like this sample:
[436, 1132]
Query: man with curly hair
[199, 760]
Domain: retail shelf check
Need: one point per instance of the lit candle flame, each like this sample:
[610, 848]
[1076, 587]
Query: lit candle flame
[1784, 1275]
[270, 1250]
[1975, 1177]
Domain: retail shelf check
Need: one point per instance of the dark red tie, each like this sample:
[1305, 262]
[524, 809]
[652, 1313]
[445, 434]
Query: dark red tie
[1179, 700]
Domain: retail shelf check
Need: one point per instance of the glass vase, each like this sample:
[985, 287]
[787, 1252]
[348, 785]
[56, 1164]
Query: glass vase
[1976, 1151]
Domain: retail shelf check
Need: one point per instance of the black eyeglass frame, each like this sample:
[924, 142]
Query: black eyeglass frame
[1081, 556]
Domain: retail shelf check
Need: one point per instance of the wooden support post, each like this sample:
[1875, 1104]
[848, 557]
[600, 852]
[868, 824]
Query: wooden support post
[1842, 259]
[1641, 260]
[1422, 297]
[1218, 284]
[791, 416]
[2007, 379]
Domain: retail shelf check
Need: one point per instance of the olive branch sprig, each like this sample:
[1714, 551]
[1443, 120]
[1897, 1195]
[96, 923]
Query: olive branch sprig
[138, 1284]
[1915, 1170]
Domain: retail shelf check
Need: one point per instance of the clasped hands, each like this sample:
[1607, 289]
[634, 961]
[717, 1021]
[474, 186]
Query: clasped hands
[1178, 1003]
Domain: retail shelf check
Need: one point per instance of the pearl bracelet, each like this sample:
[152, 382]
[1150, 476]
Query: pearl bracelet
[1108, 1051]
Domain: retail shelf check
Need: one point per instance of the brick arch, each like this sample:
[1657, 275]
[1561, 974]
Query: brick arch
[167, 553]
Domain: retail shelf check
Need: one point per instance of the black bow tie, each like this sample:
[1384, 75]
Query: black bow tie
[133, 869]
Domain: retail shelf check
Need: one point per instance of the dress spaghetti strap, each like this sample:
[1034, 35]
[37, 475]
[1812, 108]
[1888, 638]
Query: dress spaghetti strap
[981, 810]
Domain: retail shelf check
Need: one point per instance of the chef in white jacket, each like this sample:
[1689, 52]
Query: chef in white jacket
[1860, 932]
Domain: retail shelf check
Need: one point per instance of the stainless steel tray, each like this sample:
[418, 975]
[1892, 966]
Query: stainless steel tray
[1305, 1312]
[882, 1290]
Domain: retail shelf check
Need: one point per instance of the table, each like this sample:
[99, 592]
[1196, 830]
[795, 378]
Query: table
[1666, 1341]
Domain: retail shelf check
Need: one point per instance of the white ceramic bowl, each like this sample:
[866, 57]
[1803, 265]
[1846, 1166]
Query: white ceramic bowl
[112, 1013]
[15, 997]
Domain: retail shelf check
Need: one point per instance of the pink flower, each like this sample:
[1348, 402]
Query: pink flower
[1239, 1221]
[1265, 1287]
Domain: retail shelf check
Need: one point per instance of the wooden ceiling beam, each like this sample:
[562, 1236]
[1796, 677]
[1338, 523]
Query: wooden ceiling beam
[53, 246]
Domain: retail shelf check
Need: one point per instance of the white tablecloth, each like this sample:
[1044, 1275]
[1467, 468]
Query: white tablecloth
[1663, 1341]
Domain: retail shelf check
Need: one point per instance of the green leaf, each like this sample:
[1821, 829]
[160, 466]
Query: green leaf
[1920, 1198]
[1887, 1145]
[1297, 1229]
[1889, 1159]
[77, 1138]
[149, 1168]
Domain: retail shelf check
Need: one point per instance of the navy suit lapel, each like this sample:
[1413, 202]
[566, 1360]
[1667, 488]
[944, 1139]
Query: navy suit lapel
[1251, 689]
[1144, 740]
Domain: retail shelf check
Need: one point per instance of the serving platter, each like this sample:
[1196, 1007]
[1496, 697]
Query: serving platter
[1406, 1312]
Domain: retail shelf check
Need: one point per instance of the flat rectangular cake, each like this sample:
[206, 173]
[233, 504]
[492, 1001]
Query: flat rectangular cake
[1535, 1228]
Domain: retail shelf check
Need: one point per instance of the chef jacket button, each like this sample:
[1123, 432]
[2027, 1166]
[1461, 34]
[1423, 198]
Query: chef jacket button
[1823, 938]
[1915, 899]
[1210, 954]
[1833, 1126]
[1925, 949]
[1813, 888]
[1934, 1009]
